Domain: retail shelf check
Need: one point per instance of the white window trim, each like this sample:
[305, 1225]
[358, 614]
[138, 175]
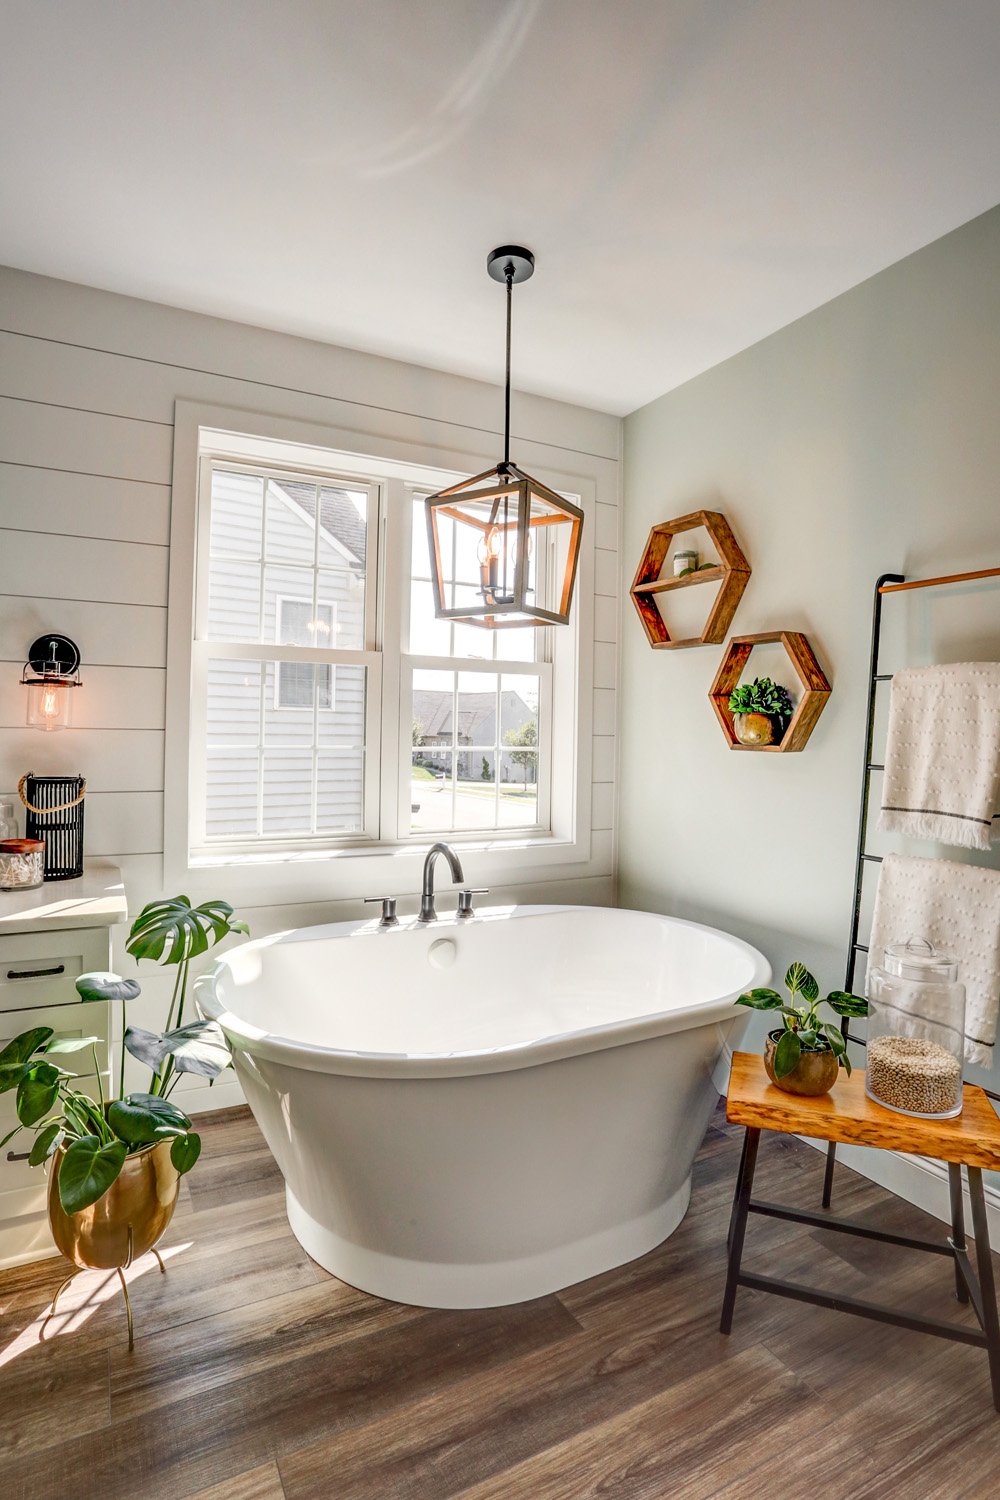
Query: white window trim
[268, 877]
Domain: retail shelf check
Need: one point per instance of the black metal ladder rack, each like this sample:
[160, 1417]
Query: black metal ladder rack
[888, 583]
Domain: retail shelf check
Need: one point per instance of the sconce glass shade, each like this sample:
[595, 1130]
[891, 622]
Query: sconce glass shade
[504, 550]
[50, 704]
[50, 674]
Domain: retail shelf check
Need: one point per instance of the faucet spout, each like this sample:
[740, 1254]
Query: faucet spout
[427, 912]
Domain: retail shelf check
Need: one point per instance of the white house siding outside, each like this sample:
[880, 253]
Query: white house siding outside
[285, 741]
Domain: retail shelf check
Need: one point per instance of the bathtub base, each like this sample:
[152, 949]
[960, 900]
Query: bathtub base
[425, 1284]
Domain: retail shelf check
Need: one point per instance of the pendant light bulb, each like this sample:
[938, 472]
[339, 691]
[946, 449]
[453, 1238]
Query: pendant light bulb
[490, 546]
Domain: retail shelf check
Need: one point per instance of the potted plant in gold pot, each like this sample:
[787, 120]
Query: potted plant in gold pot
[804, 1054]
[115, 1163]
[761, 711]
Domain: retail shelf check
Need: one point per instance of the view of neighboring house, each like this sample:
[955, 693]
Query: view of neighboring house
[435, 730]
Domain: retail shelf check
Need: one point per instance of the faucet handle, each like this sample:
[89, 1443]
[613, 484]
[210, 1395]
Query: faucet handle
[465, 899]
[388, 918]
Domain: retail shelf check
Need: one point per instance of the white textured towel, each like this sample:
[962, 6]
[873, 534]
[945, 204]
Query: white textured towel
[942, 759]
[957, 908]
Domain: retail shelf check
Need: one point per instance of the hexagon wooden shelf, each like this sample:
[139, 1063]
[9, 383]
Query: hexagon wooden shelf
[734, 571]
[815, 687]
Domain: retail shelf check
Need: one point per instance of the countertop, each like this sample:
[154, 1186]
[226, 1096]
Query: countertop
[97, 899]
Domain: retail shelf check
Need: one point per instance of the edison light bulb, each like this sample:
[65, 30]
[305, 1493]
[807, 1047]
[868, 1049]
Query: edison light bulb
[49, 705]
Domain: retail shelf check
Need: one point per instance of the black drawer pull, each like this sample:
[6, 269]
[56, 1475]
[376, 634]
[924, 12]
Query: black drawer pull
[18, 1155]
[35, 973]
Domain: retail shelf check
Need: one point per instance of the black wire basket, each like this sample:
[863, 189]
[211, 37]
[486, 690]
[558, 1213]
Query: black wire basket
[55, 813]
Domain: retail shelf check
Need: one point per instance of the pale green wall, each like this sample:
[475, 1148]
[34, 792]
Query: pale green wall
[863, 438]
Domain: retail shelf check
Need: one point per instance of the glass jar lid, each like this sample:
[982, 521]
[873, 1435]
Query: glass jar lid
[21, 846]
[919, 960]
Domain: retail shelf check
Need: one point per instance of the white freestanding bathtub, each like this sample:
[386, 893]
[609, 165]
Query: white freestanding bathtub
[478, 1112]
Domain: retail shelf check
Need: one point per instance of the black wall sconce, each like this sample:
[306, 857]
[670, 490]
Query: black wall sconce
[51, 671]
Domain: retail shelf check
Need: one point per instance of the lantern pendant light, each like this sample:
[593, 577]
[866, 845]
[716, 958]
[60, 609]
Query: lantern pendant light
[504, 547]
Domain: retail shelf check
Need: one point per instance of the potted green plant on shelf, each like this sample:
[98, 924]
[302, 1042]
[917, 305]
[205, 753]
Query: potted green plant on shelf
[761, 711]
[804, 1054]
[116, 1162]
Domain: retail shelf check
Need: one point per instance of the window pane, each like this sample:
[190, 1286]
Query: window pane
[231, 792]
[340, 597]
[431, 790]
[294, 732]
[237, 508]
[474, 642]
[428, 635]
[340, 786]
[233, 601]
[518, 788]
[305, 560]
[290, 522]
[233, 710]
[519, 710]
[287, 778]
[341, 721]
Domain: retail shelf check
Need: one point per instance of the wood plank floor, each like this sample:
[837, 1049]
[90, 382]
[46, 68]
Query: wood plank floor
[256, 1376]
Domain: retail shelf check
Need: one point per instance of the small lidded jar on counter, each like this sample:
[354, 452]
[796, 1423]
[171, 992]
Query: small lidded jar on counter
[22, 864]
[916, 1032]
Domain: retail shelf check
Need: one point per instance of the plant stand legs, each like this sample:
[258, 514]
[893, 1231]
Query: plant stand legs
[52, 1305]
[120, 1273]
[128, 1309]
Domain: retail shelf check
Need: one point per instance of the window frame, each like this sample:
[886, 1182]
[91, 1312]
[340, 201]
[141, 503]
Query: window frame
[335, 870]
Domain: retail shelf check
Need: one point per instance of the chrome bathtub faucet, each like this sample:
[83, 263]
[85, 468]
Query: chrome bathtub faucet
[427, 912]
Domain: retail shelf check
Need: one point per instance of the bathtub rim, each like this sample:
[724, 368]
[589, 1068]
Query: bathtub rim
[338, 1061]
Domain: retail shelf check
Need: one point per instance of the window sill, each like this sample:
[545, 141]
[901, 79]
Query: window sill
[270, 877]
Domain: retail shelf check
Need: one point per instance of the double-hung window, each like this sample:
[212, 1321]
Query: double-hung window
[329, 709]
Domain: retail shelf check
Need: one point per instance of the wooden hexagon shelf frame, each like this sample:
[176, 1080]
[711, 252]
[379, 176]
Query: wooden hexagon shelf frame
[733, 570]
[815, 687]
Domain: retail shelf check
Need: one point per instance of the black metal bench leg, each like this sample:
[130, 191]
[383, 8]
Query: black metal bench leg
[831, 1159]
[739, 1178]
[957, 1226]
[741, 1208]
[987, 1286]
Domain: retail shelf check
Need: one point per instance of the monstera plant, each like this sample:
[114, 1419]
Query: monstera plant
[93, 1140]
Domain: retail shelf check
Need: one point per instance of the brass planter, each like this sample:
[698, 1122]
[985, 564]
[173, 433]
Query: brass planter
[815, 1073]
[756, 729]
[124, 1223]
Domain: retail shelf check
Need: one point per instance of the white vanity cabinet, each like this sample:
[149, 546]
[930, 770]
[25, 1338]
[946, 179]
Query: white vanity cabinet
[48, 937]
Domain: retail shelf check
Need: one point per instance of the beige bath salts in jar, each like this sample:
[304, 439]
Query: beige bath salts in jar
[22, 864]
[916, 1032]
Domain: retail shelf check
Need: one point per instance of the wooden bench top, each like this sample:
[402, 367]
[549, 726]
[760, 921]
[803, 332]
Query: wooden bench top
[847, 1115]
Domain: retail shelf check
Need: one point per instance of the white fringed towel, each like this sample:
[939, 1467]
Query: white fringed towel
[957, 908]
[942, 759]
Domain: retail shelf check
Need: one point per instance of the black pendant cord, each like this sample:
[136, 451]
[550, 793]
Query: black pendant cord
[509, 278]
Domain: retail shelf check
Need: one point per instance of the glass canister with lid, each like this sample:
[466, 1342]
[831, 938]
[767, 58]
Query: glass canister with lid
[22, 864]
[916, 1032]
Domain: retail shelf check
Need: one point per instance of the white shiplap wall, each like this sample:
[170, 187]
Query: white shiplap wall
[88, 382]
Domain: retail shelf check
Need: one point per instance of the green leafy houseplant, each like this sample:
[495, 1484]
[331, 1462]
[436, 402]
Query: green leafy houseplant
[762, 696]
[98, 1136]
[802, 1030]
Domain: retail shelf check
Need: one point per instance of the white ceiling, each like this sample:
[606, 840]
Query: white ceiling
[692, 174]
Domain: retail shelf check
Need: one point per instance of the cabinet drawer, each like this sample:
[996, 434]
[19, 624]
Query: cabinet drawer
[39, 968]
[90, 1019]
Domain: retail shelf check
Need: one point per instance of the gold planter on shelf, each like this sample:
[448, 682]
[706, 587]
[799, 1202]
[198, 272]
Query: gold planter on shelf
[755, 729]
[123, 1224]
